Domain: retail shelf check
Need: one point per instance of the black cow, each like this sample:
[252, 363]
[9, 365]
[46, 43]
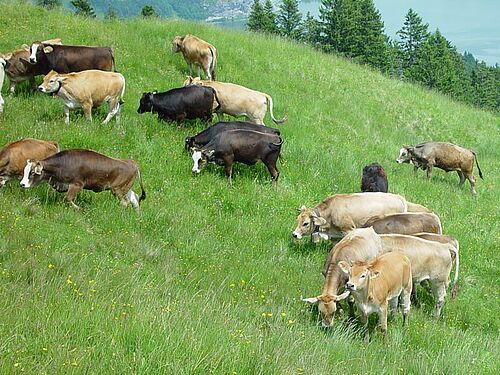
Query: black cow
[68, 59]
[244, 146]
[374, 179]
[184, 103]
[205, 136]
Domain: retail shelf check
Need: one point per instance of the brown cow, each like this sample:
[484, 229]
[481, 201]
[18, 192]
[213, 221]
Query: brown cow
[443, 155]
[406, 223]
[74, 170]
[13, 156]
[340, 213]
[377, 286]
[198, 52]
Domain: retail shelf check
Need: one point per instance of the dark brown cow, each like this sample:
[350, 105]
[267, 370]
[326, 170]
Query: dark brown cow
[67, 59]
[406, 223]
[443, 155]
[13, 156]
[374, 179]
[74, 170]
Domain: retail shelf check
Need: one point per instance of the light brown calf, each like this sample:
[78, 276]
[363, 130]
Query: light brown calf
[198, 52]
[406, 223]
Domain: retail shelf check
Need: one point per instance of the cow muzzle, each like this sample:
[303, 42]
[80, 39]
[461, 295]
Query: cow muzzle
[350, 286]
[296, 235]
[24, 185]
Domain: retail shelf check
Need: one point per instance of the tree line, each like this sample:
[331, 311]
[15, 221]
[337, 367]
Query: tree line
[354, 29]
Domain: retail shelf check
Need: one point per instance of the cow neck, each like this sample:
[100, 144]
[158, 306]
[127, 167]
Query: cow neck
[333, 279]
[316, 227]
[58, 89]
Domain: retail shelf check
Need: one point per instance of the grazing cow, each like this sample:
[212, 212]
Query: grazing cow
[205, 136]
[430, 260]
[406, 223]
[67, 59]
[378, 286]
[244, 146]
[374, 179]
[86, 90]
[73, 170]
[184, 103]
[198, 52]
[340, 213]
[236, 100]
[13, 156]
[18, 68]
[358, 245]
[443, 155]
[2, 75]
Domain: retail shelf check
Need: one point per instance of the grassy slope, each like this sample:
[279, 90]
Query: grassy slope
[189, 286]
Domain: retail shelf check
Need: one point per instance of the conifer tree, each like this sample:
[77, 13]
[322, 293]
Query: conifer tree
[269, 18]
[256, 17]
[289, 19]
[148, 11]
[49, 4]
[83, 8]
[312, 30]
[413, 33]
[371, 41]
[111, 13]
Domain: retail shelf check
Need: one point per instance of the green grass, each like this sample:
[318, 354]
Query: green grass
[207, 279]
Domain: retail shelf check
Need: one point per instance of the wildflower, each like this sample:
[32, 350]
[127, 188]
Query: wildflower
[283, 314]
[50, 266]
[290, 321]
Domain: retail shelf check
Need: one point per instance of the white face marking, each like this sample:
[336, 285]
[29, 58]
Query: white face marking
[25, 182]
[402, 153]
[196, 161]
[297, 235]
[34, 48]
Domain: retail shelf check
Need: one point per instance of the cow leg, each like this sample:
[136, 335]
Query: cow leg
[472, 182]
[66, 115]
[131, 197]
[87, 110]
[12, 88]
[382, 320]
[206, 69]
[32, 84]
[73, 190]
[228, 165]
[271, 167]
[439, 291]
[461, 176]
[364, 322]
[190, 65]
[405, 304]
[429, 171]
[350, 304]
[393, 307]
[114, 108]
[198, 70]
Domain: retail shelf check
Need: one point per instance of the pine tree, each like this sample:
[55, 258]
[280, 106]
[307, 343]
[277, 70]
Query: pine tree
[413, 33]
[49, 4]
[485, 86]
[256, 17]
[148, 11]
[372, 43]
[338, 26]
[83, 8]
[312, 30]
[289, 19]
[269, 18]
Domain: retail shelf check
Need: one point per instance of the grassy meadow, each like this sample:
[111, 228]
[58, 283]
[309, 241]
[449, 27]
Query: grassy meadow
[206, 279]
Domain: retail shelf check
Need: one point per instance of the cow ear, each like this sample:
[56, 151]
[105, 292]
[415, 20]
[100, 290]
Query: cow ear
[61, 79]
[374, 275]
[311, 301]
[344, 266]
[302, 208]
[318, 220]
[48, 49]
[38, 168]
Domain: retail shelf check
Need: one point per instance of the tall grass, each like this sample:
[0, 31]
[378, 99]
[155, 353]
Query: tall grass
[206, 279]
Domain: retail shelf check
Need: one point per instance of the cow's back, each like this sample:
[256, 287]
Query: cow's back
[16, 153]
[406, 223]
[99, 85]
[67, 59]
[445, 155]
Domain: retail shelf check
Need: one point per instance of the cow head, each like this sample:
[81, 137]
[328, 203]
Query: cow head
[306, 221]
[32, 174]
[327, 305]
[177, 44]
[37, 50]
[405, 155]
[360, 274]
[146, 103]
[200, 159]
[52, 83]
[373, 169]
[189, 143]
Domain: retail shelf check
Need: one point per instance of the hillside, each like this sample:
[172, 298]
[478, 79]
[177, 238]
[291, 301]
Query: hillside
[207, 278]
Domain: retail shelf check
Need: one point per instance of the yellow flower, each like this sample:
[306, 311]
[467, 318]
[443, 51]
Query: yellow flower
[51, 265]
[283, 314]
[290, 321]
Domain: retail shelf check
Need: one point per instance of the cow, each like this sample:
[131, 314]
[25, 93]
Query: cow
[2, 75]
[198, 52]
[443, 155]
[377, 287]
[13, 156]
[67, 59]
[374, 179]
[406, 223]
[415, 207]
[87, 89]
[18, 68]
[240, 145]
[205, 136]
[431, 262]
[340, 213]
[358, 245]
[236, 100]
[72, 170]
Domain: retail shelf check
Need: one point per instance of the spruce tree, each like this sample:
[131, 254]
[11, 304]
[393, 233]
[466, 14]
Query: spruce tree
[256, 17]
[413, 33]
[289, 19]
[372, 43]
[269, 18]
[312, 30]
[148, 11]
[83, 8]
[49, 4]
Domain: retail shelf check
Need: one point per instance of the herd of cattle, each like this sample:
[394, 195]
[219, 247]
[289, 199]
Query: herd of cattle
[387, 244]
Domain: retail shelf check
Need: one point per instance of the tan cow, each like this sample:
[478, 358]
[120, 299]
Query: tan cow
[430, 260]
[358, 245]
[86, 89]
[198, 52]
[13, 156]
[236, 100]
[443, 155]
[340, 213]
[406, 223]
[377, 286]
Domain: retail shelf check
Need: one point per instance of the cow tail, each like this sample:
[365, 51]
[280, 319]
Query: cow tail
[278, 145]
[270, 103]
[454, 288]
[113, 60]
[217, 100]
[143, 192]
[214, 62]
[479, 169]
